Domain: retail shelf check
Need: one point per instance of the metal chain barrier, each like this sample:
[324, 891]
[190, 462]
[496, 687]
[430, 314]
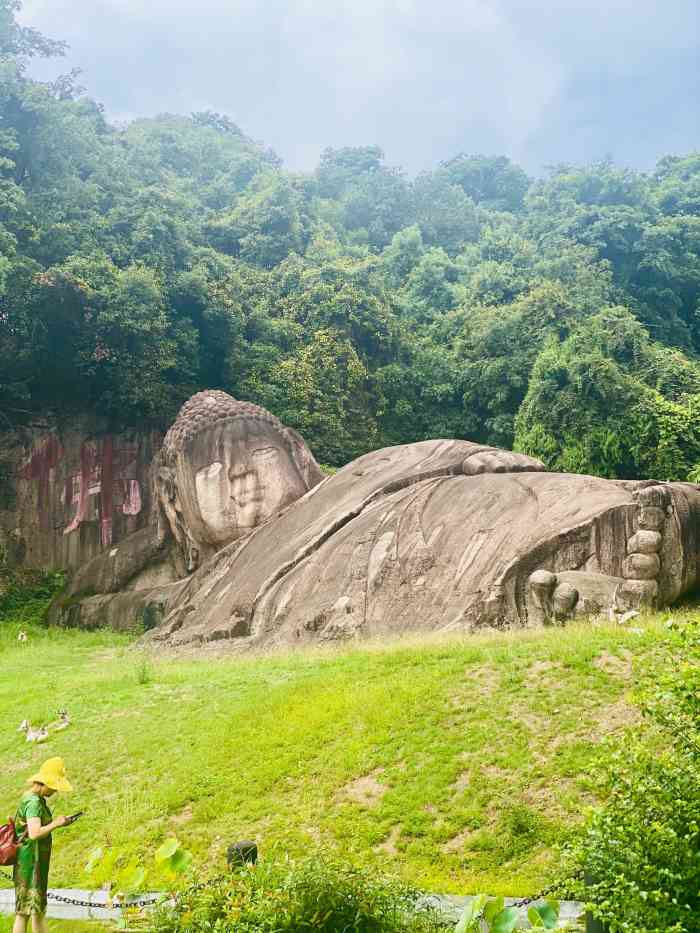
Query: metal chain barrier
[545, 892]
[75, 902]
[119, 905]
[150, 901]
[143, 902]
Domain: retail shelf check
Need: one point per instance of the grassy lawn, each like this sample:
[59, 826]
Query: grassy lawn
[458, 764]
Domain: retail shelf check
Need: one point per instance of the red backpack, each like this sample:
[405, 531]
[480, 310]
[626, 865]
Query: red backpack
[9, 843]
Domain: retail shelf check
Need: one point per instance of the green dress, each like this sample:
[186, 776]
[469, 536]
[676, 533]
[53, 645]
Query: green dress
[31, 872]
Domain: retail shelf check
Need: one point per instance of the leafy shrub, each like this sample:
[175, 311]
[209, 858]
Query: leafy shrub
[490, 914]
[642, 850]
[280, 895]
[125, 877]
[25, 594]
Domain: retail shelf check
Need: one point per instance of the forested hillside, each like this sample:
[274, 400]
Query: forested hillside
[141, 263]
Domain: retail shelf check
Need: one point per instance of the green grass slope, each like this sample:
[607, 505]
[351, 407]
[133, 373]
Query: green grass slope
[458, 764]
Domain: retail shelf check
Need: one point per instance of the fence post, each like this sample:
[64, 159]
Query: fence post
[592, 925]
[242, 853]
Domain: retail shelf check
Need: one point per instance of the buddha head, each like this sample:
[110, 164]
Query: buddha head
[226, 467]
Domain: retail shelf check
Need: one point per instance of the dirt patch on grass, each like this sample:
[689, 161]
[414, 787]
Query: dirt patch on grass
[618, 666]
[184, 816]
[601, 721]
[461, 783]
[534, 722]
[489, 772]
[314, 833]
[480, 682]
[366, 791]
[458, 843]
[495, 772]
[546, 798]
[538, 672]
[388, 847]
[614, 717]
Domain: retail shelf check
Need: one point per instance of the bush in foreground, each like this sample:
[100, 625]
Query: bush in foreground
[642, 850]
[313, 894]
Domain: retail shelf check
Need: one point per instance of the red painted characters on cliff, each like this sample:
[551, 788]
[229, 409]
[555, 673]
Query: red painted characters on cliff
[40, 467]
[107, 480]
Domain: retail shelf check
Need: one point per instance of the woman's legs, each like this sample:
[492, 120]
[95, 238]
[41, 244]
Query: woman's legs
[39, 924]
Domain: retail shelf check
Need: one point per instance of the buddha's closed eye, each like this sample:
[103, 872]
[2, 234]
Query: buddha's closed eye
[265, 454]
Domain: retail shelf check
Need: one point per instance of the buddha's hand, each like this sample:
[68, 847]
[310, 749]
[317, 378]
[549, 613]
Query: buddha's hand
[494, 460]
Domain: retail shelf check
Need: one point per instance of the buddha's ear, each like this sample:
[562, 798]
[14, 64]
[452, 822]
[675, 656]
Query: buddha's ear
[303, 458]
[169, 523]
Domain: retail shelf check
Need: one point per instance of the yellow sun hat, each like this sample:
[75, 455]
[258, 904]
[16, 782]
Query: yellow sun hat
[53, 774]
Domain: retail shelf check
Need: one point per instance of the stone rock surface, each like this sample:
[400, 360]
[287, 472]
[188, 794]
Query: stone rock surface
[402, 540]
[250, 545]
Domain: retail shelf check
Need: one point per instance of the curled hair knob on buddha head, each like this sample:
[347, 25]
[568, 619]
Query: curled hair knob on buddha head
[205, 409]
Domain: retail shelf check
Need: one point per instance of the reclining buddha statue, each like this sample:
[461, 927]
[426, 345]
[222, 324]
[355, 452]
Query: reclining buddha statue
[250, 542]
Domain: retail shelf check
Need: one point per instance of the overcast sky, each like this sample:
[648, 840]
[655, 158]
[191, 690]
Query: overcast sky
[542, 81]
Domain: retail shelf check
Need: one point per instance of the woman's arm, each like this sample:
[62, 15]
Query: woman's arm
[36, 831]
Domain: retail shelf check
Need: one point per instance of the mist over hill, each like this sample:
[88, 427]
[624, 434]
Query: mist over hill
[365, 307]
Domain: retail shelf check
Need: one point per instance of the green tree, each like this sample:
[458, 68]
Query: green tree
[445, 213]
[402, 255]
[327, 397]
[374, 200]
[266, 223]
[677, 184]
[601, 402]
[431, 287]
[492, 182]
[23, 42]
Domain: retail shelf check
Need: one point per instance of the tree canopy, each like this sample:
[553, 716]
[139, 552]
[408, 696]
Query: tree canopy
[141, 263]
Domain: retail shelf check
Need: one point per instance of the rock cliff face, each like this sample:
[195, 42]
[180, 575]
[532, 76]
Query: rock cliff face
[69, 493]
[242, 539]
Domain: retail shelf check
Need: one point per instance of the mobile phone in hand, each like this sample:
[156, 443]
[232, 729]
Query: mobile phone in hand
[74, 817]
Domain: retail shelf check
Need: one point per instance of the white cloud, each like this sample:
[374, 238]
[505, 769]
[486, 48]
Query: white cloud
[537, 79]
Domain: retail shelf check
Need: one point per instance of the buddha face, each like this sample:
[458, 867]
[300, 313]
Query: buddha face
[232, 477]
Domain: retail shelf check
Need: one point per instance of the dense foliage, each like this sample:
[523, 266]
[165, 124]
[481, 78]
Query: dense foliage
[141, 263]
[315, 894]
[642, 850]
[25, 594]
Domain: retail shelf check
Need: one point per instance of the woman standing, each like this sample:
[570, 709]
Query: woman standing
[31, 872]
